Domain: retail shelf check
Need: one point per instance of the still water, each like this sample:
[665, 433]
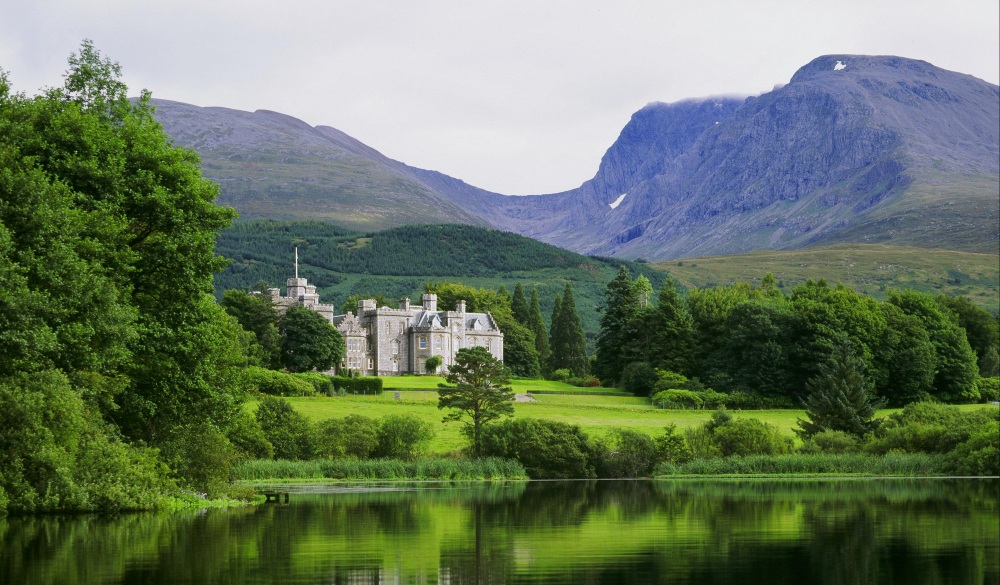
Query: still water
[720, 531]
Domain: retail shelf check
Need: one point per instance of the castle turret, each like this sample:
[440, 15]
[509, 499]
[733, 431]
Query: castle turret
[430, 302]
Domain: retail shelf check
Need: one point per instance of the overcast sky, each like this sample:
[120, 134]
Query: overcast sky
[517, 96]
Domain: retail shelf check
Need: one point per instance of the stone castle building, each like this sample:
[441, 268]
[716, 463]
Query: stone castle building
[382, 341]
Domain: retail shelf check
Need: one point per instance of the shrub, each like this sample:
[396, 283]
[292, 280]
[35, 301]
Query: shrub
[928, 427]
[352, 436]
[321, 383]
[201, 456]
[627, 453]
[287, 430]
[678, 399]
[978, 456]
[639, 378]
[989, 389]
[369, 385]
[547, 449]
[245, 434]
[402, 436]
[671, 447]
[585, 382]
[277, 383]
[700, 441]
[560, 375]
[749, 436]
[835, 442]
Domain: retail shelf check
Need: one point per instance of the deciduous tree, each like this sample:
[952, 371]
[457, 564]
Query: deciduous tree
[310, 341]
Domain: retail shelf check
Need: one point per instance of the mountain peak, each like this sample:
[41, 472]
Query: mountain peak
[851, 65]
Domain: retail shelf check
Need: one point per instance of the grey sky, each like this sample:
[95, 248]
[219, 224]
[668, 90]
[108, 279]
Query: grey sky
[516, 97]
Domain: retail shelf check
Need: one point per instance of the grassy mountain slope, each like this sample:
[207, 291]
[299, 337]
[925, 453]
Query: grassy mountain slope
[869, 268]
[398, 262]
[270, 165]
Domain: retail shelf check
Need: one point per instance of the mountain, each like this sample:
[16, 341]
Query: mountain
[854, 148]
[865, 149]
[270, 165]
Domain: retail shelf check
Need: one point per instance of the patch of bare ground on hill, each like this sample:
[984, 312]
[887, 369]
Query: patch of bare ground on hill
[869, 268]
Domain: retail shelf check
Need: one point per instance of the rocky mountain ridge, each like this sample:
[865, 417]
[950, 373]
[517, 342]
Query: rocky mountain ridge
[853, 148]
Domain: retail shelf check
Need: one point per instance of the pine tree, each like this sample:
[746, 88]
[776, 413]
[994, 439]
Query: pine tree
[838, 396]
[621, 306]
[568, 345]
[537, 325]
[673, 332]
[556, 310]
[519, 305]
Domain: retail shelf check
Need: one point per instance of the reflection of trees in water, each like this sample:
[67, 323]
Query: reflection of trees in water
[691, 531]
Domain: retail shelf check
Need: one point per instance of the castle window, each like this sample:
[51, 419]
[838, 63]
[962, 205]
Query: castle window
[422, 342]
[371, 363]
[395, 347]
[489, 344]
[437, 342]
[395, 366]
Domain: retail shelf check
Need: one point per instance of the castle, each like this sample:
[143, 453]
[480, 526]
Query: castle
[382, 341]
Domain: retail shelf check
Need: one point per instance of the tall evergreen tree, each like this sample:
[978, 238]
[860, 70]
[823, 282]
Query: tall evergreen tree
[673, 332]
[537, 324]
[569, 346]
[556, 310]
[621, 307]
[838, 398]
[519, 305]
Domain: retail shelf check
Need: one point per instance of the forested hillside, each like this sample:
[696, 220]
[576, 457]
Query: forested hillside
[400, 261]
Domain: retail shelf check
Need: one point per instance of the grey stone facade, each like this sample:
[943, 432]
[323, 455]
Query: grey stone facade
[382, 341]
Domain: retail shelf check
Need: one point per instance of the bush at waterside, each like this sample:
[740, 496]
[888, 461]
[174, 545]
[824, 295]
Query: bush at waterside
[893, 464]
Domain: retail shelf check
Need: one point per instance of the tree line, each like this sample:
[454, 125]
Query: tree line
[757, 340]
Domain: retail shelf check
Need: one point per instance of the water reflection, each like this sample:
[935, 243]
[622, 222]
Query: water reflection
[774, 532]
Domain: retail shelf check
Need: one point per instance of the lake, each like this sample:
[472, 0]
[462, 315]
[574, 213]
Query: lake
[913, 531]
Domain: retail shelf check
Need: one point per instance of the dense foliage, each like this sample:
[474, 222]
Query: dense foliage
[110, 337]
[757, 345]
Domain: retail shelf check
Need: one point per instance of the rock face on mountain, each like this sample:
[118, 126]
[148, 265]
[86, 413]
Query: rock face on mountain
[853, 149]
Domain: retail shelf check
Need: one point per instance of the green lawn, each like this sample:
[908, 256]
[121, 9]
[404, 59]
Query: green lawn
[595, 414]
[519, 386]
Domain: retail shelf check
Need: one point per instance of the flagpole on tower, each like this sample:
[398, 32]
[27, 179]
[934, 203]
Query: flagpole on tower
[296, 262]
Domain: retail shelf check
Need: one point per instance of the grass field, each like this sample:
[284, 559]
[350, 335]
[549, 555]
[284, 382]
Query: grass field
[520, 386]
[595, 414]
[869, 268]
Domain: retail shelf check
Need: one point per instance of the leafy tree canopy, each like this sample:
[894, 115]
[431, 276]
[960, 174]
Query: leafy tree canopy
[481, 393]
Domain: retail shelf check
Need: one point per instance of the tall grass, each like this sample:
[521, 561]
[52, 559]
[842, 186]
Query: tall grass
[893, 464]
[380, 469]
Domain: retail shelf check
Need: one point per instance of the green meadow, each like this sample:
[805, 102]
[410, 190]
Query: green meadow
[595, 414]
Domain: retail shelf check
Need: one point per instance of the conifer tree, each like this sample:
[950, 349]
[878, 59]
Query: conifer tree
[537, 324]
[569, 347]
[621, 307]
[519, 305]
[673, 332]
[838, 398]
[556, 310]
